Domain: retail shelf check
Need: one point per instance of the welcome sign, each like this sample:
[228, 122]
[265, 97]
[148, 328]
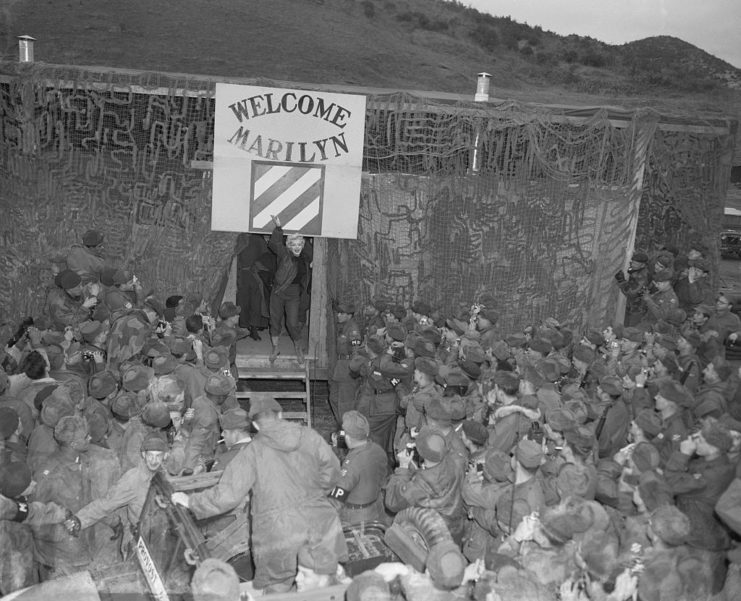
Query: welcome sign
[295, 154]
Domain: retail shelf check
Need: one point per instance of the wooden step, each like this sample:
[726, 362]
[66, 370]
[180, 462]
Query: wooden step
[272, 373]
[278, 396]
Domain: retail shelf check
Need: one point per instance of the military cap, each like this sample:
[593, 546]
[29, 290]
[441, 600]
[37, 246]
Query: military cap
[516, 340]
[398, 311]
[459, 327]
[677, 393]
[578, 409]
[355, 424]
[396, 331]
[583, 353]
[101, 384]
[216, 358]
[380, 304]
[639, 257]
[645, 456]
[113, 276]
[717, 435]
[506, 380]
[125, 405]
[649, 421]
[68, 279]
[576, 480]
[155, 304]
[654, 491]
[560, 419]
[155, 441]
[431, 445]
[529, 453]
[223, 337]
[15, 477]
[664, 275]
[164, 364]
[612, 385]
[670, 524]
[98, 423]
[375, 344]
[430, 333]
[470, 368]
[54, 409]
[214, 580]
[500, 350]
[345, 307]
[541, 345]
[595, 337]
[368, 586]
[235, 419]
[117, 300]
[421, 307]
[456, 407]
[497, 466]
[476, 432]
[474, 352]
[90, 329]
[259, 403]
[423, 348]
[137, 377]
[156, 414]
[317, 558]
[446, 565]
[229, 309]
[71, 429]
[426, 366]
[489, 314]
[701, 264]
[580, 438]
[92, 238]
[549, 369]
[9, 421]
[438, 410]
[454, 377]
[178, 346]
[219, 385]
[676, 316]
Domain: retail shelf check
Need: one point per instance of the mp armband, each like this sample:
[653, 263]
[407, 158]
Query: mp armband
[21, 511]
[339, 493]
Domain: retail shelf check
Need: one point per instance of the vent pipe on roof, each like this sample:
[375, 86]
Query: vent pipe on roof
[482, 88]
[25, 48]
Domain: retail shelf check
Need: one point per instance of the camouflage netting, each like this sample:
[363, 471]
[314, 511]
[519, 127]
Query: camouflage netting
[527, 205]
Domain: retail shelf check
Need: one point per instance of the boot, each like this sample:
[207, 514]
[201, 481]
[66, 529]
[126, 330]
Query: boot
[253, 333]
[274, 352]
[299, 353]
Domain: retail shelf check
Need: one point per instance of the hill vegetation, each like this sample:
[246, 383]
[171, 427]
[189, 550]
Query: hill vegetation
[400, 44]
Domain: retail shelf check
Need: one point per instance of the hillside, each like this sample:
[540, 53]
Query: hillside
[398, 44]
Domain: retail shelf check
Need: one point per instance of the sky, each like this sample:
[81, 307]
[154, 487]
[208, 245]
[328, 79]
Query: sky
[713, 25]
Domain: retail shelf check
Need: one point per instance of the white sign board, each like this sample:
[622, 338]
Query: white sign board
[295, 154]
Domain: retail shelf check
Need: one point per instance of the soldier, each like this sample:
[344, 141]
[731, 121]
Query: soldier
[236, 429]
[65, 304]
[86, 259]
[343, 388]
[290, 470]
[129, 492]
[661, 303]
[634, 287]
[694, 288]
[358, 490]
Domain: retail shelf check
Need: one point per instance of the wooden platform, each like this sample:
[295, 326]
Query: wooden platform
[253, 359]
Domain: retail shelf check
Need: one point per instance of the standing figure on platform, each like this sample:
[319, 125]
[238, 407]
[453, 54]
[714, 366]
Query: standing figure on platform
[252, 283]
[290, 288]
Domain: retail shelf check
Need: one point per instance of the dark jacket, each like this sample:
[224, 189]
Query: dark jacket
[287, 268]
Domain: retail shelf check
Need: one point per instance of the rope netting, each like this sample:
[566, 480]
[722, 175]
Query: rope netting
[459, 201]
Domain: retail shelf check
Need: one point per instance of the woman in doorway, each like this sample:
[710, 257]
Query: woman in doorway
[290, 288]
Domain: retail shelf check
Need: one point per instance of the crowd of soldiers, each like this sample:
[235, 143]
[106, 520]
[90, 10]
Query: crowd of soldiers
[567, 465]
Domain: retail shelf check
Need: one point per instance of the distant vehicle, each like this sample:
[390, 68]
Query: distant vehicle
[730, 244]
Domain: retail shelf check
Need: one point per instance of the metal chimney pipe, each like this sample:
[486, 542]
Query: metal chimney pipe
[25, 48]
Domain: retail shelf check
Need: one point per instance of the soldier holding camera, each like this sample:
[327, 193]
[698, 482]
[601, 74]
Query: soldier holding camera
[358, 491]
[633, 288]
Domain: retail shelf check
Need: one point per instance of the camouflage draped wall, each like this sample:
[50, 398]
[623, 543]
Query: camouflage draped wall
[459, 201]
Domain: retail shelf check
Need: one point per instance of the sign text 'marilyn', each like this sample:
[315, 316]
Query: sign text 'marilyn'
[308, 105]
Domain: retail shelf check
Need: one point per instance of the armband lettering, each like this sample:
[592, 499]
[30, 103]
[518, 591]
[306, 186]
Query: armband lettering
[339, 493]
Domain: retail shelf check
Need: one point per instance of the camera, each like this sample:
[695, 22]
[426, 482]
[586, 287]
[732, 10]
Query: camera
[412, 451]
[338, 440]
[21, 332]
